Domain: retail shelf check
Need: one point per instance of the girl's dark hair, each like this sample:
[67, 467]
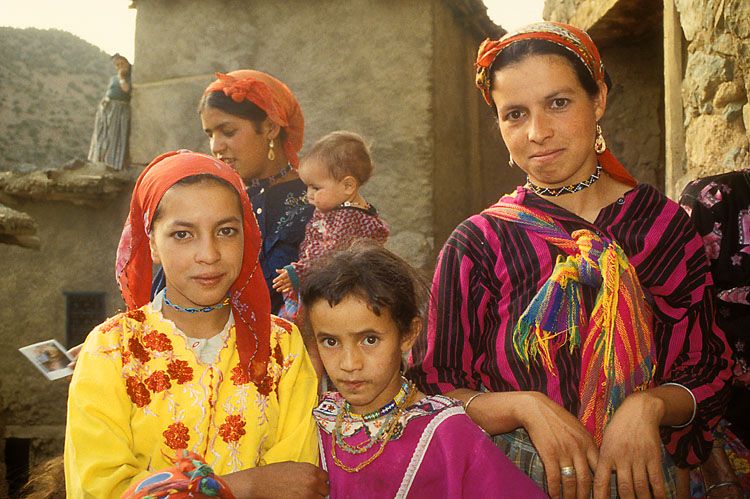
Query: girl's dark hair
[196, 179]
[372, 273]
[518, 51]
[244, 109]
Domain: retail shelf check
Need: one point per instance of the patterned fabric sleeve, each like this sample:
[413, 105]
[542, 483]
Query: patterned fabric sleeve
[443, 359]
[337, 229]
[692, 350]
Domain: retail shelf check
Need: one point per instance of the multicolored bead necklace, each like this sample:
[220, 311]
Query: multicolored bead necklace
[192, 310]
[378, 413]
[567, 189]
[383, 436]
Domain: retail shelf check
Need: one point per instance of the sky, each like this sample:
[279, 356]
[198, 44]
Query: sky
[110, 24]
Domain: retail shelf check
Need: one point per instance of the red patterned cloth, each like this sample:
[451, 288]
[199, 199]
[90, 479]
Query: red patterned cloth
[337, 229]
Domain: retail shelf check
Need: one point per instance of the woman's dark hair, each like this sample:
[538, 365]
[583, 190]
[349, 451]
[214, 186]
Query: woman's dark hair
[372, 273]
[518, 51]
[196, 179]
[244, 109]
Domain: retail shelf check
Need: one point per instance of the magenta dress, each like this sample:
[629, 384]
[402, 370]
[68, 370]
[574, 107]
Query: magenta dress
[437, 451]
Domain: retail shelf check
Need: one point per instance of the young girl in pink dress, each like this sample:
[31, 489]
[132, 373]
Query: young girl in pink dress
[379, 435]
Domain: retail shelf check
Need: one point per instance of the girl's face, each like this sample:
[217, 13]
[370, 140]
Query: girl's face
[323, 191]
[547, 120]
[236, 142]
[361, 351]
[198, 239]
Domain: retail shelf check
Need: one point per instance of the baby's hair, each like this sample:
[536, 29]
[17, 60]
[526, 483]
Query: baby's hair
[196, 179]
[372, 273]
[343, 153]
[46, 480]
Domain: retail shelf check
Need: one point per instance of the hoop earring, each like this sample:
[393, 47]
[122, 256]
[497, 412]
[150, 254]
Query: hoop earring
[271, 154]
[599, 144]
[512, 164]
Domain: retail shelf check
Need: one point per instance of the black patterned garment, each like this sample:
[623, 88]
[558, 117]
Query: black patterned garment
[719, 206]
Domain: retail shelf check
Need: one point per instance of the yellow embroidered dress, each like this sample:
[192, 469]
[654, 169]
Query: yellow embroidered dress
[139, 393]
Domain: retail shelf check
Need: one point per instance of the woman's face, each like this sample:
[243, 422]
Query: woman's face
[236, 141]
[547, 120]
[198, 240]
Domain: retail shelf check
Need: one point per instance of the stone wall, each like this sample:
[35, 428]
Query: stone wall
[397, 72]
[716, 85]
[77, 253]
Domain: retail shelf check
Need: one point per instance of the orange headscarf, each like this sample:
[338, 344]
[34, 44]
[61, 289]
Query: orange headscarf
[251, 305]
[578, 42]
[273, 97]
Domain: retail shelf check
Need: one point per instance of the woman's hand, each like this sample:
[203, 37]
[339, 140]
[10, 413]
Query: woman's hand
[632, 448]
[288, 479]
[562, 442]
[282, 283]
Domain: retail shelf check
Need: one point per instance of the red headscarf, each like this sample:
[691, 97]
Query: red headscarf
[273, 97]
[251, 305]
[569, 37]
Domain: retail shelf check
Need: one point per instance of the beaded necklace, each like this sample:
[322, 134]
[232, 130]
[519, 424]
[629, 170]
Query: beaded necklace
[191, 310]
[567, 189]
[383, 436]
[377, 413]
[265, 182]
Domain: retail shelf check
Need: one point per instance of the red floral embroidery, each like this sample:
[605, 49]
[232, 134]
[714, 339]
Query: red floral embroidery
[125, 356]
[137, 391]
[158, 382]
[157, 341]
[137, 315]
[110, 324]
[180, 371]
[283, 324]
[278, 356]
[137, 350]
[239, 376]
[176, 436]
[232, 429]
[266, 386]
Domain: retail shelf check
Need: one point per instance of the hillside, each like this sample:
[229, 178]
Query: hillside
[50, 86]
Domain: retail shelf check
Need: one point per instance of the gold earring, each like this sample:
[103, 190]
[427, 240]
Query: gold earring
[599, 144]
[271, 154]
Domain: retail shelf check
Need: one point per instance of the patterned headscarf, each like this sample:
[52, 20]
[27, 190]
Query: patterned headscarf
[251, 305]
[578, 42]
[273, 97]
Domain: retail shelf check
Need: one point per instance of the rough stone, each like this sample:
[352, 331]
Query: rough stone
[737, 17]
[746, 117]
[732, 112]
[692, 16]
[729, 92]
[703, 75]
[707, 140]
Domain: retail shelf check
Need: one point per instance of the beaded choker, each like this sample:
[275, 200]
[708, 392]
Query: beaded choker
[568, 189]
[191, 310]
[265, 182]
[389, 427]
[377, 413]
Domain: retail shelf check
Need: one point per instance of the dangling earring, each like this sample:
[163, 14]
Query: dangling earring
[512, 164]
[271, 154]
[599, 144]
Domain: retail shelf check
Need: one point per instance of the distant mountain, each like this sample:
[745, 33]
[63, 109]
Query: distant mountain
[50, 84]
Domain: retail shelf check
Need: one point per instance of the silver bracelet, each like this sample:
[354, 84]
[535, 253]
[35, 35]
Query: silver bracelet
[695, 404]
[471, 399]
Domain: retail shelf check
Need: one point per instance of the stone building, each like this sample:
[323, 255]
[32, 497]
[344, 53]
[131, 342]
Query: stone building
[398, 72]
[679, 108]
[58, 251]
